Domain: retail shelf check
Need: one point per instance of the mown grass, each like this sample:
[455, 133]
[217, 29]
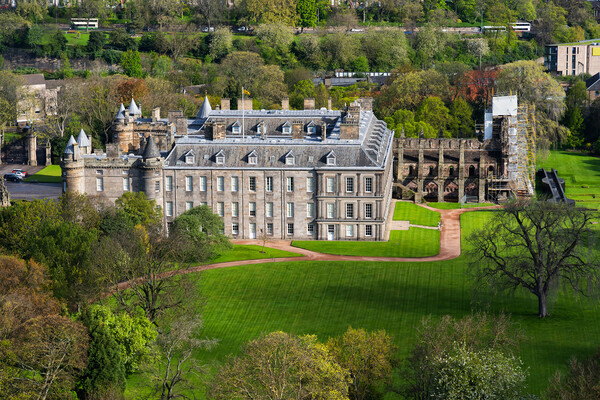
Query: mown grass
[454, 206]
[415, 242]
[251, 252]
[50, 174]
[408, 211]
[324, 298]
[581, 173]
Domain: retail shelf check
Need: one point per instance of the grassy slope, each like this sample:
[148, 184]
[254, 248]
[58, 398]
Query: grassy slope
[50, 174]
[581, 174]
[415, 242]
[407, 211]
[251, 252]
[324, 298]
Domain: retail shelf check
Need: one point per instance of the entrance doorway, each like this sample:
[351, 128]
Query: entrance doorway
[330, 232]
[252, 230]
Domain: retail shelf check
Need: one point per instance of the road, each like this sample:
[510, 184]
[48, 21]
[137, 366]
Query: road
[29, 191]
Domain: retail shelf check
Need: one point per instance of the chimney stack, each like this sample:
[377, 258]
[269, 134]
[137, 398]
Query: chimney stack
[155, 114]
[309, 103]
[285, 103]
[245, 104]
[225, 104]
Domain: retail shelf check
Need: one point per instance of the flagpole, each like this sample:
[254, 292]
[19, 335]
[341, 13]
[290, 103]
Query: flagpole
[243, 111]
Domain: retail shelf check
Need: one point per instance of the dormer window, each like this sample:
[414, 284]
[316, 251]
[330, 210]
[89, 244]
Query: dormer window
[311, 128]
[289, 159]
[236, 127]
[252, 158]
[286, 128]
[330, 158]
[190, 157]
[220, 157]
[260, 128]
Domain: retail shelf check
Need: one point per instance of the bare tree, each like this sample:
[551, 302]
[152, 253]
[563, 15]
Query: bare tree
[535, 245]
[210, 9]
[67, 101]
[172, 355]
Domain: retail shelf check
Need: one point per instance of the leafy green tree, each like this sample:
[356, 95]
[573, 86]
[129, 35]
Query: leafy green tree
[308, 50]
[277, 36]
[430, 42]
[9, 84]
[201, 228]
[549, 18]
[542, 244]
[35, 36]
[139, 209]
[132, 334]
[385, 49]
[485, 374]
[104, 375]
[58, 44]
[220, 43]
[339, 50]
[574, 121]
[161, 66]
[369, 358]
[95, 43]
[433, 111]
[461, 121]
[280, 366]
[428, 372]
[272, 11]
[307, 13]
[301, 90]
[32, 10]
[119, 39]
[132, 64]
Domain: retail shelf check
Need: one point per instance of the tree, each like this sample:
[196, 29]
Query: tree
[201, 229]
[461, 122]
[483, 375]
[430, 42]
[277, 36]
[9, 85]
[369, 358]
[307, 13]
[480, 338]
[280, 366]
[385, 49]
[535, 245]
[173, 356]
[220, 43]
[161, 66]
[132, 64]
[95, 43]
[433, 111]
[272, 11]
[32, 9]
[119, 39]
[35, 36]
[140, 209]
[53, 353]
[580, 383]
[209, 9]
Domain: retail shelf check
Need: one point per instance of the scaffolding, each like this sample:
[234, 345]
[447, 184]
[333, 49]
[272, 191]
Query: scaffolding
[525, 151]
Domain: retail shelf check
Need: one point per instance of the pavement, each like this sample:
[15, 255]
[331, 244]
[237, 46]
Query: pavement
[26, 190]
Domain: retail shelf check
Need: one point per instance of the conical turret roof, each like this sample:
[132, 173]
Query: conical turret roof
[121, 112]
[204, 110]
[133, 108]
[69, 148]
[83, 140]
[150, 151]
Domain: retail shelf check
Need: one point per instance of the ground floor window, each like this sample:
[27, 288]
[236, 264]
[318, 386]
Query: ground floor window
[235, 229]
[368, 230]
[310, 229]
[169, 210]
[349, 230]
[290, 229]
[269, 228]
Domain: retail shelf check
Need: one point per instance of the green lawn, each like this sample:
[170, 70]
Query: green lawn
[324, 298]
[408, 211]
[454, 206]
[415, 242]
[251, 252]
[581, 173]
[50, 174]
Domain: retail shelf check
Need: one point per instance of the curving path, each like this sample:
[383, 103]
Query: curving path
[449, 247]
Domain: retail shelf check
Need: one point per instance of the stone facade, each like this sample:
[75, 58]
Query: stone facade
[309, 174]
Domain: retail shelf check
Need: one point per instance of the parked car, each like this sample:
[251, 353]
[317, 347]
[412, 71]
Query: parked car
[19, 171]
[242, 29]
[13, 177]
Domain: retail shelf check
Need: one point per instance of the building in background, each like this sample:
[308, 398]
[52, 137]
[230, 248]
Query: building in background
[573, 58]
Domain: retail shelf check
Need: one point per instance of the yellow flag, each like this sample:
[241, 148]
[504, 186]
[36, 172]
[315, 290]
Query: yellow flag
[246, 92]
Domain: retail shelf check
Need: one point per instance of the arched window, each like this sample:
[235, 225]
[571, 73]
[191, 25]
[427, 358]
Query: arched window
[411, 170]
[431, 170]
[471, 170]
[451, 171]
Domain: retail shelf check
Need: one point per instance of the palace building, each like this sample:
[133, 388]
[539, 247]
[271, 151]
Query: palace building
[300, 174]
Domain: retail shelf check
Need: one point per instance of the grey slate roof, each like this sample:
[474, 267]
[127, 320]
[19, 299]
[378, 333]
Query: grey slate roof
[204, 110]
[593, 83]
[121, 112]
[150, 151]
[69, 147]
[34, 79]
[83, 140]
